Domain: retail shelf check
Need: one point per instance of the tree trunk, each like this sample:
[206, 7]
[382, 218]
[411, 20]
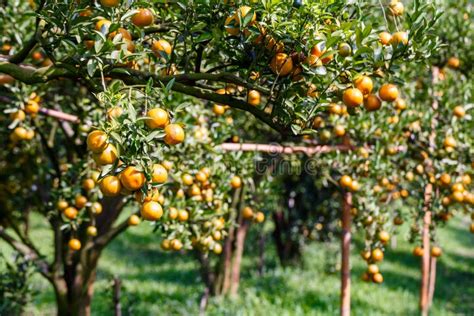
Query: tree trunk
[238, 254]
[261, 253]
[288, 250]
[432, 281]
[425, 262]
[345, 253]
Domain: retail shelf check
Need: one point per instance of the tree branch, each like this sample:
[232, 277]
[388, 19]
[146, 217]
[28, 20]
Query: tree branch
[106, 238]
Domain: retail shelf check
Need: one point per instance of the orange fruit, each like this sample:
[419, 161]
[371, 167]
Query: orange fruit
[161, 48]
[453, 62]
[436, 251]
[174, 134]
[96, 208]
[217, 249]
[103, 26]
[109, 3]
[396, 8]
[449, 141]
[400, 104]
[92, 231]
[173, 213]
[80, 201]
[247, 212]
[253, 97]
[88, 184]
[445, 179]
[143, 18]
[176, 245]
[418, 251]
[133, 220]
[281, 64]
[377, 255]
[74, 244]
[218, 109]
[372, 103]
[32, 107]
[187, 179]
[159, 174]
[62, 205]
[259, 217]
[183, 215]
[373, 268]
[110, 186]
[70, 212]
[165, 244]
[20, 133]
[235, 182]
[385, 38]
[131, 178]
[384, 237]
[339, 130]
[151, 211]
[107, 157]
[352, 97]
[201, 176]
[114, 112]
[158, 118]
[364, 84]
[459, 111]
[399, 37]
[388, 92]
[345, 181]
[18, 115]
[96, 141]
[377, 278]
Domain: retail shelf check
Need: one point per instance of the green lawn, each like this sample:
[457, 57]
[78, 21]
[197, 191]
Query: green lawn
[163, 283]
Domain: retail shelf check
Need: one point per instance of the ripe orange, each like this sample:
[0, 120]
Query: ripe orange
[88, 184]
[187, 179]
[114, 112]
[372, 103]
[183, 215]
[176, 245]
[80, 201]
[445, 179]
[19, 133]
[364, 84]
[235, 182]
[74, 244]
[453, 62]
[388, 92]
[247, 212]
[96, 141]
[436, 251]
[459, 111]
[345, 181]
[142, 18]
[373, 268]
[385, 38]
[377, 255]
[201, 176]
[70, 212]
[400, 104]
[158, 118]
[18, 115]
[62, 205]
[399, 37]
[217, 249]
[92, 231]
[253, 97]
[218, 109]
[109, 3]
[96, 208]
[107, 157]
[174, 134]
[352, 97]
[161, 48]
[133, 220]
[259, 217]
[449, 141]
[165, 244]
[281, 64]
[339, 130]
[103, 26]
[159, 174]
[151, 211]
[173, 213]
[32, 107]
[110, 186]
[131, 178]
[466, 179]
[396, 8]
[418, 251]
[355, 186]
[377, 278]
[384, 237]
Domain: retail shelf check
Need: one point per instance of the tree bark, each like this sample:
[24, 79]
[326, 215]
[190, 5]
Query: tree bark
[432, 281]
[345, 253]
[238, 254]
[425, 262]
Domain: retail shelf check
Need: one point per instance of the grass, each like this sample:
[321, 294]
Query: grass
[169, 284]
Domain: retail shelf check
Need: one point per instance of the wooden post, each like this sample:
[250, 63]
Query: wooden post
[117, 290]
[432, 281]
[425, 262]
[345, 253]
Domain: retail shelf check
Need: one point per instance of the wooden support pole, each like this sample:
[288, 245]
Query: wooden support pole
[425, 262]
[345, 253]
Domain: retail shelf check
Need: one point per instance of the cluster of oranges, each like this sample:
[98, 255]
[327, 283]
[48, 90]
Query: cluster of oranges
[253, 97]
[31, 108]
[373, 257]
[346, 182]
[435, 251]
[458, 190]
[70, 209]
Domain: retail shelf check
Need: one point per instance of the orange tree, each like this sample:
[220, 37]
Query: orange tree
[126, 71]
